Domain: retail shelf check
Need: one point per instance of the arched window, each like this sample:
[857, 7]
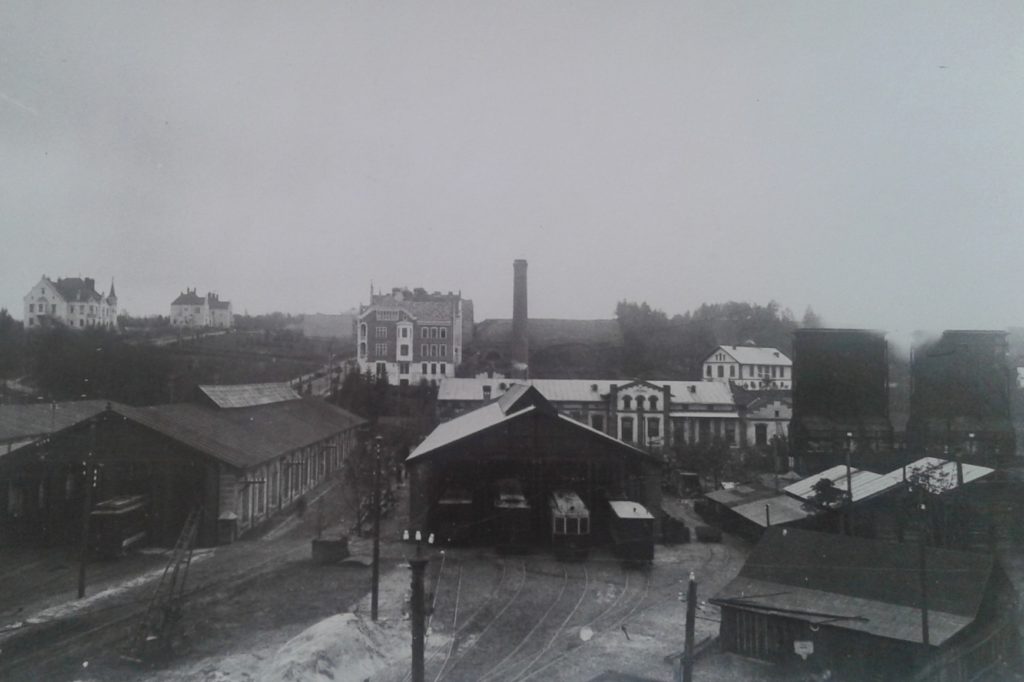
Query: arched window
[362, 331]
[362, 349]
[639, 402]
[627, 403]
[653, 400]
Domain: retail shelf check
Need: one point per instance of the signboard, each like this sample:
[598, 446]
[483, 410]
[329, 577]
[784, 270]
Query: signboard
[803, 648]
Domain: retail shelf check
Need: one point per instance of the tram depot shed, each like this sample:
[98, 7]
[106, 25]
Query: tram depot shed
[521, 435]
[242, 453]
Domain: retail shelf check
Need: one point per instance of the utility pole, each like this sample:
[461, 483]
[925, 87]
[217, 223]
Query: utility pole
[418, 565]
[89, 475]
[923, 576]
[376, 528]
[691, 617]
[849, 485]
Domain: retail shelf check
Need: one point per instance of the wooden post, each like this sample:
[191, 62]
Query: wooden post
[923, 577]
[691, 616]
[418, 566]
[89, 471]
[376, 529]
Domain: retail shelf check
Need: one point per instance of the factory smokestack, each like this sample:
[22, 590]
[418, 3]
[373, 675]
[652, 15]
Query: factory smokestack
[520, 343]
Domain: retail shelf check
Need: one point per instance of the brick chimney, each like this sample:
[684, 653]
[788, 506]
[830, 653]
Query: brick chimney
[520, 341]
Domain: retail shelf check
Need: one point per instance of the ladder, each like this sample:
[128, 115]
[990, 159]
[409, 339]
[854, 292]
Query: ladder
[159, 624]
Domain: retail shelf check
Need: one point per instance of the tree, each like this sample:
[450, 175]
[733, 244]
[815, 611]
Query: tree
[811, 319]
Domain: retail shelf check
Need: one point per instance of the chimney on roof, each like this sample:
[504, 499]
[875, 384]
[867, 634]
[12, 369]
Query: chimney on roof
[520, 341]
[90, 284]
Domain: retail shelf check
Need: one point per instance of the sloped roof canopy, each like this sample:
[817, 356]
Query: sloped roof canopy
[249, 395]
[517, 402]
[859, 584]
[25, 421]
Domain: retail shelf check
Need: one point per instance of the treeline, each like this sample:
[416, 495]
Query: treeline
[674, 347]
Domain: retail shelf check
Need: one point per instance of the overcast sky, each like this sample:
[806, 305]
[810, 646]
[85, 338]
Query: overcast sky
[866, 158]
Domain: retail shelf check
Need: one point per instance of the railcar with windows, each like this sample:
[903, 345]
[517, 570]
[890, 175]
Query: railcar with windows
[512, 516]
[118, 524]
[570, 525]
[632, 531]
[456, 519]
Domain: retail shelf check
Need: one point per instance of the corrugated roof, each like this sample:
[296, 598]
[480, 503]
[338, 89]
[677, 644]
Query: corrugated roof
[247, 436]
[249, 395]
[865, 484]
[584, 390]
[782, 509]
[18, 422]
[938, 475]
[866, 584]
[464, 426]
[753, 355]
[625, 509]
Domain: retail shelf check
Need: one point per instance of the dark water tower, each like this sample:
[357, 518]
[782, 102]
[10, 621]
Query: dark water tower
[840, 398]
[960, 398]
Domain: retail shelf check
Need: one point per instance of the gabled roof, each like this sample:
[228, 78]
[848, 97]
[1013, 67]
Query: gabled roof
[76, 289]
[421, 311]
[859, 584]
[584, 390]
[518, 401]
[865, 484]
[248, 395]
[753, 355]
[189, 298]
[19, 422]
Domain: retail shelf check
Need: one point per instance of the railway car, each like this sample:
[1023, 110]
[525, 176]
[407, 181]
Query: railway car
[570, 525]
[512, 516]
[632, 531]
[118, 524]
[456, 519]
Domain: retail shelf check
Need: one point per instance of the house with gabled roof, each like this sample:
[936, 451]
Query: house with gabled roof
[70, 301]
[190, 309]
[412, 337]
[750, 367]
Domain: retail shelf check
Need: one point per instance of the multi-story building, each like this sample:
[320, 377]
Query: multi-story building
[192, 310]
[749, 367]
[651, 414]
[72, 301]
[411, 336]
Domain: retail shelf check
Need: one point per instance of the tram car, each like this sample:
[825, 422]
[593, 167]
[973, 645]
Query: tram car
[455, 516]
[632, 531]
[512, 516]
[118, 524]
[570, 525]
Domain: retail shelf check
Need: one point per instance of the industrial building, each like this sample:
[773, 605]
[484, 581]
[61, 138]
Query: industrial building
[241, 453]
[840, 398]
[960, 401]
[522, 436]
[816, 602]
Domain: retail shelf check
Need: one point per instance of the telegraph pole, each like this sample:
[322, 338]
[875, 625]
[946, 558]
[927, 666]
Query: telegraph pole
[376, 528]
[89, 473]
[691, 617]
[418, 565]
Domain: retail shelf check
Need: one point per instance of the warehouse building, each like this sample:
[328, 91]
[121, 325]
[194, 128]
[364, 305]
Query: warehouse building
[816, 602]
[241, 453]
[521, 436]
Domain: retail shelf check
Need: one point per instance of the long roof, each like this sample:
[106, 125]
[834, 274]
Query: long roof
[76, 289]
[248, 395]
[248, 436]
[584, 390]
[865, 484]
[859, 584]
[518, 401]
[753, 355]
[18, 422]
[421, 311]
[938, 475]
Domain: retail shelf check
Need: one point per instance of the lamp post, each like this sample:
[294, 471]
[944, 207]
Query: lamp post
[418, 564]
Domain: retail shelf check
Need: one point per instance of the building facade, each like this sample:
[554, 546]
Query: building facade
[192, 310]
[72, 302]
[649, 414]
[749, 367]
[411, 336]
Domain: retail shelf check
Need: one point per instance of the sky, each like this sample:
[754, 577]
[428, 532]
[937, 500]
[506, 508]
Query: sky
[864, 158]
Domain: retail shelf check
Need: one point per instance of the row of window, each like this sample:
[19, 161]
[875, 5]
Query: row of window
[42, 308]
[425, 332]
[652, 402]
[434, 368]
[763, 371]
[92, 322]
